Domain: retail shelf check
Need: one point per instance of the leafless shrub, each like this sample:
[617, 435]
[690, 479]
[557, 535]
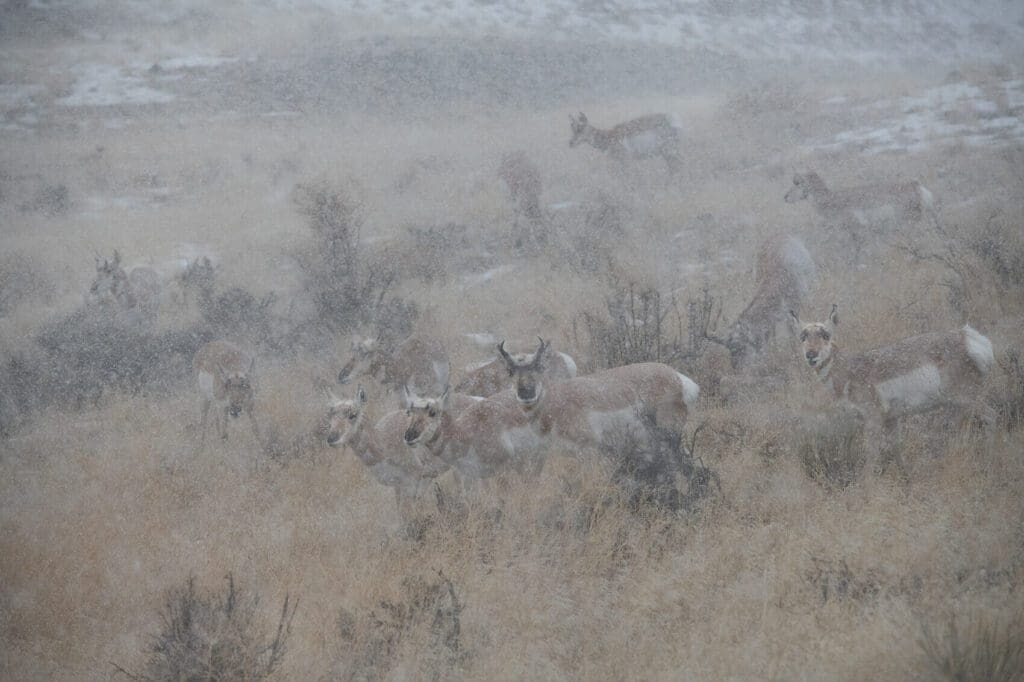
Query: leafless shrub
[20, 280]
[427, 613]
[215, 637]
[432, 248]
[588, 245]
[50, 200]
[237, 314]
[988, 648]
[1011, 403]
[1000, 246]
[830, 446]
[836, 582]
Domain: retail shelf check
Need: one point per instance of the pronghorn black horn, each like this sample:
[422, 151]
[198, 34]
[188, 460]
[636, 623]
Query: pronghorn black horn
[504, 354]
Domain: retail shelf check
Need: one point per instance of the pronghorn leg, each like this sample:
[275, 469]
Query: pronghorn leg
[256, 427]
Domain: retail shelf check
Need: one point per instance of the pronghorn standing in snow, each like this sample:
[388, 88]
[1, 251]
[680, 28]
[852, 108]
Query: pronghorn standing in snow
[785, 275]
[916, 374]
[227, 376]
[493, 376]
[381, 447]
[639, 138]
[584, 412]
[419, 361]
[137, 289]
[905, 201]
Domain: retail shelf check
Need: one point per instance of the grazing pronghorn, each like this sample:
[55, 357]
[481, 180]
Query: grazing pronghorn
[785, 274]
[138, 289]
[382, 447]
[865, 204]
[522, 178]
[493, 376]
[916, 374]
[419, 361]
[488, 438]
[227, 377]
[639, 138]
[588, 410]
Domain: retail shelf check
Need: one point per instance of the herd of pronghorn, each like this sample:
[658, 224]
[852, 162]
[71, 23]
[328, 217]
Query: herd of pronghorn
[511, 412]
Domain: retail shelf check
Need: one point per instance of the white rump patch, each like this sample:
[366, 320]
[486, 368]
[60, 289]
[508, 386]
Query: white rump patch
[691, 391]
[570, 364]
[979, 349]
[927, 200]
[917, 389]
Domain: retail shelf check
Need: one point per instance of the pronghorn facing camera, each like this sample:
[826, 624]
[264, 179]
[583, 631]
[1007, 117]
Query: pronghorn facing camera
[916, 374]
[865, 204]
[639, 138]
[419, 361]
[493, 376]
[226, 375]
[381, 446]
[137, 289]
[487, 438]
[785, 275]
[585, 411]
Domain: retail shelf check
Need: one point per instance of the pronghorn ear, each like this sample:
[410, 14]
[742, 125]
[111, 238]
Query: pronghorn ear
[503, 354]
[117, 258]
[541, 354]
[407, 394]
[252, 367]
[361, 394]
[445, 396]
[833, 316]
[794, 322]
[583, 117]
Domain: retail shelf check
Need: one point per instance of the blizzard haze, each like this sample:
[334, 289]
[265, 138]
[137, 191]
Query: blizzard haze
[297, 177]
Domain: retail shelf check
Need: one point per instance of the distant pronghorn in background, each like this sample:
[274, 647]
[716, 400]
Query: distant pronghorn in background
[381, 447]
[493, 376]
[784, 276]
[522, 178]
[139, 289]
[639, 138]
[584, 412]
[227, 380]
[419, 361]
[913, 375]
[857, 208]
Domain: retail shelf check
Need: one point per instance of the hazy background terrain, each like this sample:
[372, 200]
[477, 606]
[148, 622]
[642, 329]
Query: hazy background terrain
[173, 131]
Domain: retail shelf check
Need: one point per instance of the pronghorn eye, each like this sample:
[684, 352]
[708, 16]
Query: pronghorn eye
[432, 412]
[826, 336]
[352, 417]
[803, 336]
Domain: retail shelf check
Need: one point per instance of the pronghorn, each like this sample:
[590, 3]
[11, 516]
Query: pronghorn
[522, 177]
[227, 377]
[493, 376]
[866, 204]
[138, 289]
[639, 138]
[419, 361]
[488, 438]
[587, 410]
[382, 447]
[914, 375]
[785, 274]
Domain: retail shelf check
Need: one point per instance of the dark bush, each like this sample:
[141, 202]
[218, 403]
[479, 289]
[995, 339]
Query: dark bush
[988, 648]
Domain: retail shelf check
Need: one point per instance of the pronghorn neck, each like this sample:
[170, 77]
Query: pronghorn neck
[823, 370]
[362, 441]
[602, 139]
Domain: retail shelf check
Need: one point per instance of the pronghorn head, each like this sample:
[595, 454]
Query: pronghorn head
[527, 370]
[363, 350]
[344, 417]
[817, 338]
[425, 415]
[581, 129]
[239, 388]
[803, 187]
[740, 343]
[111, 280]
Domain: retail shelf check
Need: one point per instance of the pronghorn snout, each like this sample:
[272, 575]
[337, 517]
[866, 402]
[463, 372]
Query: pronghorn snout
[234, 410]
[526, 394]
[334, 438]
[411, 436]
[812, 357]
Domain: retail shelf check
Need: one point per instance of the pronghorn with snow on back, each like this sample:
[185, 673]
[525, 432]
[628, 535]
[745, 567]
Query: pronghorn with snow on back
[486, 439]
[586, 411]
[785, 274]
[913, 375]
[639, 138]
[419, 361]
[493, 376]
[227, 378]
[381, 447]
[908, 202]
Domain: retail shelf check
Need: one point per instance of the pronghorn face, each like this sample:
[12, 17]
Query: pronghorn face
[344, 417]
[527, 372]
[425, 416]
[740, 343]
[800, 190]
[111, 280]
[816, 338]
[238, 390]
[363, 351]
[581, 129]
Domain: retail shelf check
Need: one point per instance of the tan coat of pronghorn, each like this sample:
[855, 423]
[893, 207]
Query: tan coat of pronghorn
[586, 411]
[522, 179]
[866, 204]
[639, 138]
[381, 447]
[493, 376]
[913, 375]
[227, 381]
[488, 438]
[419, 361]
[137, 289]
[785, 274]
